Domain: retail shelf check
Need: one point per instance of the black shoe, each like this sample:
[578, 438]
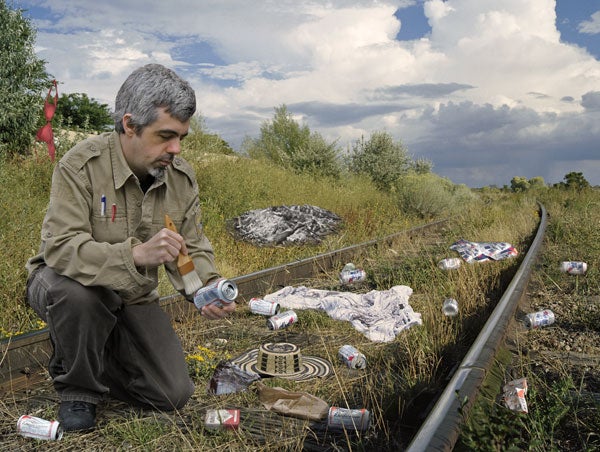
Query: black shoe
[77, 415]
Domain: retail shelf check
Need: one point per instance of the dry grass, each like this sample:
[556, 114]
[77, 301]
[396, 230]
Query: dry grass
[397, 385]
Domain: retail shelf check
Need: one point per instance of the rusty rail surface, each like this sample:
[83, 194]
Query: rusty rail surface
[22, 356]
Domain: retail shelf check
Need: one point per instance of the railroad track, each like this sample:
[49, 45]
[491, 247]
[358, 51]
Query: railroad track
[23, 357]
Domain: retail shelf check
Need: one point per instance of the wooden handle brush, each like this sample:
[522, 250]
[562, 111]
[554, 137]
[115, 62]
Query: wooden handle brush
[185, 265]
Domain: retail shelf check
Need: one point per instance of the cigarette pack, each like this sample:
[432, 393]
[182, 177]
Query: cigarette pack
[228, 418]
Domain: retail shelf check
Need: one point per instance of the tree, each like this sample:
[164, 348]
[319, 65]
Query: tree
[537, 183]
[288, 144]
[576, 181]
[79, 111]
[199, 139]
[519, 184]
[382, 159]
[23, 80]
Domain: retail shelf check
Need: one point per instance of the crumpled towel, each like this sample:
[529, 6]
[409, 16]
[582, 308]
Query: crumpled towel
[479, 252]
[379, 315]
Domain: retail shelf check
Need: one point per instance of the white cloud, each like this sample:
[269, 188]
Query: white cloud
[591, 26]
[491, 82]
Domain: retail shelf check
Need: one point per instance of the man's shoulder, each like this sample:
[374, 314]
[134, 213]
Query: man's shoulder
[84, 151]
[182, 167]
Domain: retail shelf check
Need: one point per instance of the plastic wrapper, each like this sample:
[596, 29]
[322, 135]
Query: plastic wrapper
[228, 378]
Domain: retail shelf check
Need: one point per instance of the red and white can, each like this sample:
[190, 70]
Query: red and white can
[573, 267]
[348, 419]
[263, 307]
[352, 357]
[219, 291]
[539, 319]
[282, 320]
[450, 263]
[228, 419]
[38, 428]
[352, 276]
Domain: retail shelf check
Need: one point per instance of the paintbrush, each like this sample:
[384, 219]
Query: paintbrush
[185, 265]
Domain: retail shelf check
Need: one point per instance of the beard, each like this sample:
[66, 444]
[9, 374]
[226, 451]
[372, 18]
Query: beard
[158, 173]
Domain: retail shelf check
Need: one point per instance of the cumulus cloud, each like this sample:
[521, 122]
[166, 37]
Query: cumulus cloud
[489, 92]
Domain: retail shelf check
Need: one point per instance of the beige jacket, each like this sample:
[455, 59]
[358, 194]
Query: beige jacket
[92, 246]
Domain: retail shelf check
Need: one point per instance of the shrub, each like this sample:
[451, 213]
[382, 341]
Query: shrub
[22, 80]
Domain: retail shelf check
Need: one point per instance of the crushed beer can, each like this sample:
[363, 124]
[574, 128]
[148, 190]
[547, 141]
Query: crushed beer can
[514, 395]
[282, 320]
[450, 307]
[222, 291]
[573, 267]
[263, 307]
[353, 276]
[352, 357]
[227, 419]
[38, 428]
[348, 419]
[450, 263]
[539, 319]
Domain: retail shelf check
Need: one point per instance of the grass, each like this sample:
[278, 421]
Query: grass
[560, 362]
[401, 375]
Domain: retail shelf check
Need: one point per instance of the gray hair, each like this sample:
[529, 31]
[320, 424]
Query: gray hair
[149, 88]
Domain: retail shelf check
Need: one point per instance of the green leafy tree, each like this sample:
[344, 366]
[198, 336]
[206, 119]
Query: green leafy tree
[23, 81]
[519, 184]
[77, 110]
[537, 183]
[288, 144]
[200, 140]
[576, 181]
[382, 159]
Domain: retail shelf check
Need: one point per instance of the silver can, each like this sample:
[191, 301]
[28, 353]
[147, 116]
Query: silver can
[344, 418]
[282, 320]
[263, 307]
[539, 319]
[222, 291]
[450, 263]
[352, 276]
[450, 307]
[38, 428]
[352, 357]
[573, 267]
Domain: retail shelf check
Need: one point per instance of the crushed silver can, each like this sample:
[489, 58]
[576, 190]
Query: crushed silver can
[450, 263]
[573, 267]
[38, 428]
[348, 419]
[263, 307]
[282, 320]
[539, 319]
[350, 356]
[220, 291]
[450, 307]
[353, 276]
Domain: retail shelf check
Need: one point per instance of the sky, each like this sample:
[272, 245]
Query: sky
[484, 89]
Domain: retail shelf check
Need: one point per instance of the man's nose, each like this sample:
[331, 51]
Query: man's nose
[174, 146]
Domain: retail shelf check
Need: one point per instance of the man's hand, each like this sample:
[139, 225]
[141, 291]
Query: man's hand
[214, 312]
[161, 248]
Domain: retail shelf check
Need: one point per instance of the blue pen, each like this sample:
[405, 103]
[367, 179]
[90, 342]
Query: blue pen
[103, 205]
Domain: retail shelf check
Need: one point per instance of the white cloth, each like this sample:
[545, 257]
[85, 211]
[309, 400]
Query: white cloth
[379, 315]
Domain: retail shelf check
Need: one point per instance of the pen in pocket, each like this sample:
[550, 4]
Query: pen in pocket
[103, 205]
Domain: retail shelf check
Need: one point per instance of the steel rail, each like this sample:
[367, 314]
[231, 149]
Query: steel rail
[22, 356]
[442, 427]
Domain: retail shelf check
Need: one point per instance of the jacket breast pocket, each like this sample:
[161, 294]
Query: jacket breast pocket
[108, 229]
